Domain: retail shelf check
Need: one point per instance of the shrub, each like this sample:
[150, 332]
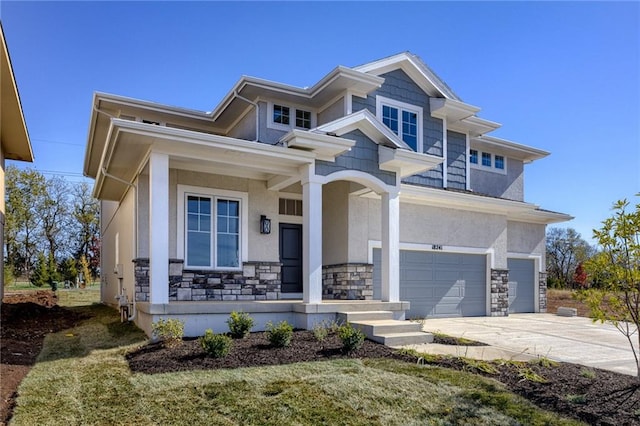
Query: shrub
[215, 345]
[352, 338]
[169, 331]
[320, 331]
[240, 324]
[280, 335]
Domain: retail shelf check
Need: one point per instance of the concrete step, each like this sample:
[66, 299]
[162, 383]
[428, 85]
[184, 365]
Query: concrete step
[364, 316]
[402, 339]
[387, 326]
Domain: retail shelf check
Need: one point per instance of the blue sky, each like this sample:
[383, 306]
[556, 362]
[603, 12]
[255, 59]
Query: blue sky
[563, 77]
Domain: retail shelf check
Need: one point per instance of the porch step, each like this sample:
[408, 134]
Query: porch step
[392, 332]
[364, 316]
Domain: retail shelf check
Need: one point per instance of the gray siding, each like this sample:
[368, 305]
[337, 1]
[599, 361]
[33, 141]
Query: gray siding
[267, 135]
[399, 86]
[509, 186]
[332, 112]
[456, 160]
[363, 157]
[246, 127]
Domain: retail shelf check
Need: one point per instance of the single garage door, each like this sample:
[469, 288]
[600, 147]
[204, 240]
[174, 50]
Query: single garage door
[521, 285]
[438, 284]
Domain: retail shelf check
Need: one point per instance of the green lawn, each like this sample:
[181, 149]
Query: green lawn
[82, 377]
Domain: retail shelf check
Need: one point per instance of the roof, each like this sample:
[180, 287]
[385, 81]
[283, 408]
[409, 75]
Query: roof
[14, 137]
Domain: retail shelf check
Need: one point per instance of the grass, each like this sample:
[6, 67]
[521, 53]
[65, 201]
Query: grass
[81, 377]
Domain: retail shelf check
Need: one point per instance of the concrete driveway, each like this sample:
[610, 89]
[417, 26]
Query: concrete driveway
[519, 336]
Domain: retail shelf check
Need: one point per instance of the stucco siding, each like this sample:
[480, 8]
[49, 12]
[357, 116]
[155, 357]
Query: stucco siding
[332, 112]
[527, 238]
[456, 160]
[246, 127]
[509, 185]
[335, 217]
[363, 156]
[268, 135]
[117, 227]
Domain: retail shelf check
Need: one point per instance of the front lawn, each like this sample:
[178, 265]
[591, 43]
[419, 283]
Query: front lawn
[82, 377]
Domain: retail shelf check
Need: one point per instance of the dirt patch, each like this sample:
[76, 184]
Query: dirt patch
[26, 318]
[558, 298]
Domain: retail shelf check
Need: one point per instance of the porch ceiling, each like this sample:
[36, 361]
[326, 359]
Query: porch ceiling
[131, 142]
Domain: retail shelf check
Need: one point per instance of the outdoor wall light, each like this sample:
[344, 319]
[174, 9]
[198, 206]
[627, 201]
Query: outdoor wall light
[265, 225]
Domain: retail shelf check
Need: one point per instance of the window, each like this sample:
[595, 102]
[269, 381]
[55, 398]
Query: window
[281, 114]
[290, 207]
[486, 159]
[402, 119]
[303, 119]
[473, 156]
[287, 117]
[212, 227]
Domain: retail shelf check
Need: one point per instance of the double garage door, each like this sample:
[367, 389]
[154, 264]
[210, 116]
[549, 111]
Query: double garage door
[452, 284]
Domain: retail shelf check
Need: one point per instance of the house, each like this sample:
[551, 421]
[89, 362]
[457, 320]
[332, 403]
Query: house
[14, 138]
[375, 189]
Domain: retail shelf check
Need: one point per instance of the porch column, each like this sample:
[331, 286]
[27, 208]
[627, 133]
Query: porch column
[390, 247]
[158, 228]
[311, 236]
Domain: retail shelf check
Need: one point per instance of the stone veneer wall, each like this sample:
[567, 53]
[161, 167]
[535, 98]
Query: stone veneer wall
[256, 281]
[542, 287]
[499, 292]
[347, 281]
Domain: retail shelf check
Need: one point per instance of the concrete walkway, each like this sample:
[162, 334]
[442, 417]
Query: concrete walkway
[525, 336]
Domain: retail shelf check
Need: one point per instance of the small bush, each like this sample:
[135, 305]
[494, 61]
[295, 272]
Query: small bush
[169, 331]
[352, 338]
[587, 373]
[215, 345]
[280, 335]
[320, 332]
[240, 324]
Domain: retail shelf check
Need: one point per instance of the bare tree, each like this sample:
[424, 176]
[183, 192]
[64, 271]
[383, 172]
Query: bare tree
[565, 251]
[54, 211]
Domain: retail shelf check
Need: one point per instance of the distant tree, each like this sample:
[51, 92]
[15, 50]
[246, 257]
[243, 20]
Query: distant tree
[84, 269]
[565, 250]
[580, 276]
[40, 275]
[618, 269]
[86, 214]
[24, 192]
[69, 269]
[54, 212]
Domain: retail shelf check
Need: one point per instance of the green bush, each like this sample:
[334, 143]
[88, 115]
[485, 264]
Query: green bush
[215, 345]
[240, 324]
[280, 335]
[169, 331]
[352, 338]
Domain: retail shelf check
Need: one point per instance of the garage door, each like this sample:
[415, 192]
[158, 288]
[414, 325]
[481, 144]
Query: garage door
[438, 284]
[521, 285]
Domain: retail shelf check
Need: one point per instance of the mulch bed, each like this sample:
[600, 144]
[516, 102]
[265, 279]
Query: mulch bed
[595, 396]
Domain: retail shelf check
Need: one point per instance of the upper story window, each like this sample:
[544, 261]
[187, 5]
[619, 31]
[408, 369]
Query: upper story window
[473, 156]
[487, 161]
[212, 228]
[405, 120]
[287, 117]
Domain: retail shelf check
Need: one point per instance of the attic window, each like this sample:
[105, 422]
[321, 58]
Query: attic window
[303, 119]
[405, 120]
[287, 117]
[281, 114]
[488, 161]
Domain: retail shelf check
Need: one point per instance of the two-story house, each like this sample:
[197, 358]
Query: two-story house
[377, 188]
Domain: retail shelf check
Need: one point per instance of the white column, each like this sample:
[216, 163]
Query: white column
[390, 247]
[311, 236]
[158, 228]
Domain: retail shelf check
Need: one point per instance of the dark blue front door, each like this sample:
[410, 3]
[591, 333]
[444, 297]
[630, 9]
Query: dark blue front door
[291, 257]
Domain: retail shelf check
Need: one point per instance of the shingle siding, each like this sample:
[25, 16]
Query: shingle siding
[456, 160]
[363, 156]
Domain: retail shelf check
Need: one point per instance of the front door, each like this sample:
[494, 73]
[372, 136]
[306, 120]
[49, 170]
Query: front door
[291, 257]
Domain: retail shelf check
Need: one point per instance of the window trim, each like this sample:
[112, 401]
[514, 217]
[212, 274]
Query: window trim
[384, 101]
[492, 168]
[181, 240]
[293, 110]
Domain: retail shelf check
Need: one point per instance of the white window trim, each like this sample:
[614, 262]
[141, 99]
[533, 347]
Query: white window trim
[492, 168]
[243, 197]
[381, 100]
[292, 116]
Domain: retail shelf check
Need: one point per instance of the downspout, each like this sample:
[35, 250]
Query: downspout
[255, 104]
[134, 311]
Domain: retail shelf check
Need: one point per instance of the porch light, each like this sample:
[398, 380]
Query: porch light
[265, 225]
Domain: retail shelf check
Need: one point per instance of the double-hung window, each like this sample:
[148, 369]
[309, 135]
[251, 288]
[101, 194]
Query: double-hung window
[213, 228]
[402, 119]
